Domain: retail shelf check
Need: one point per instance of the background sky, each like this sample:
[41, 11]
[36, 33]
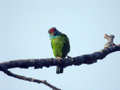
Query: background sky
[24, 28]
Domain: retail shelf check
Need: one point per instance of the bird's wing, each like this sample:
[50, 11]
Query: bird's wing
[66, 46]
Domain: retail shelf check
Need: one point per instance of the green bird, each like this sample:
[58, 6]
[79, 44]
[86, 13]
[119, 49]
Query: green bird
[60, 46]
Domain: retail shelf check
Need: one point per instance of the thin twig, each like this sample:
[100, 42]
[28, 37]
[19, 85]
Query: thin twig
[30, 79]
[110, 47]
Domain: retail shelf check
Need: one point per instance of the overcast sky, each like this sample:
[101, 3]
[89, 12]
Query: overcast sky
[24, 28]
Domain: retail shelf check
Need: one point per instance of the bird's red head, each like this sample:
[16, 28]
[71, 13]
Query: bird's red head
[52, 30]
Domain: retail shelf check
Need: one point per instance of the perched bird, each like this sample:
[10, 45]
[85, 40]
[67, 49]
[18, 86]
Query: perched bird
[60, 46]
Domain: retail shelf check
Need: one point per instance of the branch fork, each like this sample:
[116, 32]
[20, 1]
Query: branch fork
[109, 47]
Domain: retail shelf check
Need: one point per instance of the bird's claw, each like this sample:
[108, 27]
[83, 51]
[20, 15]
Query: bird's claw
[59, 58]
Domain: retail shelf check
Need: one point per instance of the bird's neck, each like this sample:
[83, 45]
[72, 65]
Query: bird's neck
[54, 36]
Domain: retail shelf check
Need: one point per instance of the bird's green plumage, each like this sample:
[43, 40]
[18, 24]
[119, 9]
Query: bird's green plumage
[60, 45]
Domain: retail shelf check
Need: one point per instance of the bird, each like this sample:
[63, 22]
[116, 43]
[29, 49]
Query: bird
[60, 46]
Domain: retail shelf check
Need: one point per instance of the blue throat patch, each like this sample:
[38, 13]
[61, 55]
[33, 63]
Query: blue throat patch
[57, 34]
[53, 37]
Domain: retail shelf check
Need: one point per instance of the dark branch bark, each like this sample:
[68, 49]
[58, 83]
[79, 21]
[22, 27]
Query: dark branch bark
[29, 79]
[39, 63]
[48, 62]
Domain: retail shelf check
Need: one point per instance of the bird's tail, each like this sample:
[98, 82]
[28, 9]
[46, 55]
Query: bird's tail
[59, 69]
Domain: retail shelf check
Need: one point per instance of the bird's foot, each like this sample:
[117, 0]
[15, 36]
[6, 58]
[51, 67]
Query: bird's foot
[59, 58]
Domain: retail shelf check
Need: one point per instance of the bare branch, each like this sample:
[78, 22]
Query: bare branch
[39, 63]
[109, 47]
[29, 79]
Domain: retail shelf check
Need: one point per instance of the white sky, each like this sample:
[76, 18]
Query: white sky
[24, 28]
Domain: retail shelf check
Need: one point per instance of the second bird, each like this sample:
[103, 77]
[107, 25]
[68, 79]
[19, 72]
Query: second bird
[60, 46]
